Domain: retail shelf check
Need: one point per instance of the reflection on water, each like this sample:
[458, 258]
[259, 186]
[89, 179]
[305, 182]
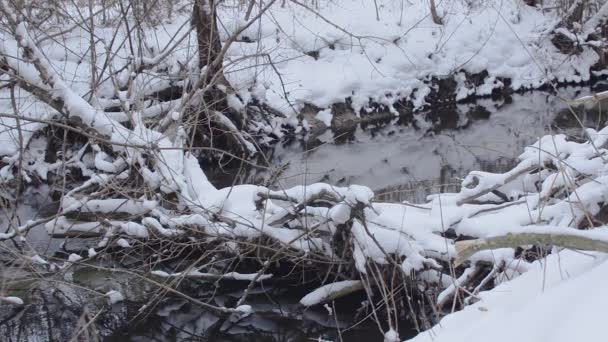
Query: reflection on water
[448, 181]
[406, 159]
[274, 319]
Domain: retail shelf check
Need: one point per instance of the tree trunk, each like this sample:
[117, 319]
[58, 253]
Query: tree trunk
[571, 240]
[436, 18]
[204, 19]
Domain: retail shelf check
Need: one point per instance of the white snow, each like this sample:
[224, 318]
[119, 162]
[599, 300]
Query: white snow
[115, 296]
[384, 60]
[323, 55]
[559, 300]
[244, 309]
[37, 259]
[203, 275]
[91, 252]
[123, 243]
[74, 258]
[325, 116]
[132, 207]
[359, 57]
[12, 300]
[324, 292]
[391, 336]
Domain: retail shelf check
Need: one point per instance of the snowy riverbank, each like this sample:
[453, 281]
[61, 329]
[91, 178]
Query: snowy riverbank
[323, 55]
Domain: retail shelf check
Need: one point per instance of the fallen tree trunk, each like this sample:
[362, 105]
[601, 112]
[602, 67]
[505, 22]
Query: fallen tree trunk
[575, 240]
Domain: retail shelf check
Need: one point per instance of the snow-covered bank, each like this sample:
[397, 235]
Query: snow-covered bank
[323, 55]
[330, 52]
[560, 299]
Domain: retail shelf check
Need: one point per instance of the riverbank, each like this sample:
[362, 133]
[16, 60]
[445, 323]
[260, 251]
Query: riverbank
[391, 54]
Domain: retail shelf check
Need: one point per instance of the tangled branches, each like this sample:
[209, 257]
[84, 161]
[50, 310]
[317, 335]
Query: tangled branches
[130, 185]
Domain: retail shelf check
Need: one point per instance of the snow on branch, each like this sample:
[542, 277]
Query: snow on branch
[331, 291]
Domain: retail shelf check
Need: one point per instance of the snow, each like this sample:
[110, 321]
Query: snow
[384, 60]
[544, 304]
[202, 275]
[325, 116]
[123, 243]
[11, 300]
[250, 277]
[115, 296]
[134, 229]
[132, 207]
[155, 225]
[37, 259]
[160, 274]
[325, 292]
[360, 58]
[244, 309]
[324, 55]
[391, 336]
[74, 258]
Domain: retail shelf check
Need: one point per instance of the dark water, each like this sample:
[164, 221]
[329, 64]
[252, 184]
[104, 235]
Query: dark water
[275, 318]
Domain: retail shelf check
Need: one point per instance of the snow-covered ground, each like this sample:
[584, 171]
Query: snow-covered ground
[560, 299]
[359, 57]
[322, 54]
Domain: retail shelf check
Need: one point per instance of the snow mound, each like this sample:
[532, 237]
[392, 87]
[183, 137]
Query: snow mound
[561, 299]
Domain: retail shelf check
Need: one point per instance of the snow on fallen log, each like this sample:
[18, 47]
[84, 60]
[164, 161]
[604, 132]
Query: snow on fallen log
[451, 290]
[331, 291]
[478, 183]
[558, 182]
[154, 225]
[597, 20]
[173, 168]
[62, 227]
